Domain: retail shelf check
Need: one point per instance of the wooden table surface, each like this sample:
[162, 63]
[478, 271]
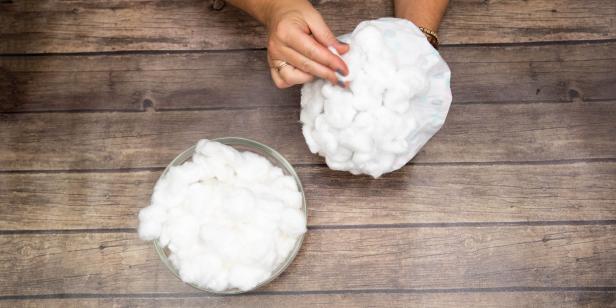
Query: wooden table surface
[512, 203]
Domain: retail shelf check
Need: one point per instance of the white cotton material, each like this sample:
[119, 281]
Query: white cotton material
[229, 218]
[398, 98]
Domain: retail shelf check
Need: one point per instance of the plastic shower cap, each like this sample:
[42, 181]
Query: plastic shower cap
[398, 99]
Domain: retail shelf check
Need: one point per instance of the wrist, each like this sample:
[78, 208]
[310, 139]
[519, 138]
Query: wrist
[425, 22]
[259, 9]
[274, 9]
[431, 36]
[423, 13]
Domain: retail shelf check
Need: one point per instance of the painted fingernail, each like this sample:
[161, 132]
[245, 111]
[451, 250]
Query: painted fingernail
[341, 83]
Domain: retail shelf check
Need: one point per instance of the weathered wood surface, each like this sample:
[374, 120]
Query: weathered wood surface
[415, 195]
[346, 300]
[235, 79]
[35, 26]
[347, 259]
[472, 133]
[512, 204]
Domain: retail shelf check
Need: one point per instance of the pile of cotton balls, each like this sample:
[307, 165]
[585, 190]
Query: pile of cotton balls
[398, 99]
[228, 218]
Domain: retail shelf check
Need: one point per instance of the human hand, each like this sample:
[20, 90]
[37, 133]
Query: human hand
[298, 41]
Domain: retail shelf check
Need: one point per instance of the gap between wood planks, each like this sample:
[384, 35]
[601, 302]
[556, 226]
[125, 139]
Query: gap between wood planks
[152, 109]
[204, 51]
[359, 226]
[300, 165]
[323, 292]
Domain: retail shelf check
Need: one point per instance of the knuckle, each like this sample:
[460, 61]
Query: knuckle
[282, 31]
[279, 83]
[305, 66]
[333, 61]
[328, 36]
[271, 45]
[312, 51]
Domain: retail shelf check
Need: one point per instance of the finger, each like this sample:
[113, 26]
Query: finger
[294, 76]
[306, 65]
[278, 81]
[290, 74]
[324, 35]
[310, 48]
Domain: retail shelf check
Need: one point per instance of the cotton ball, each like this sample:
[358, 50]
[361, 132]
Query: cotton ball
[253, 167]
[246, 277]
[269, 214]
[151, 222]
[258, 242]
[209, 148]
[180, 232]
[275, 173]
[398, 98]
[195, 268]
[292, 199]
[240, 205]
[284, 245]
[228, 218]
[285, 183]
[307, 131]
[184, 174]
[219, 168]
[293, 222]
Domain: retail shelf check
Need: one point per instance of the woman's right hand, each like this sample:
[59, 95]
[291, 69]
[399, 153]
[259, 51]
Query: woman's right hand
[299, 36]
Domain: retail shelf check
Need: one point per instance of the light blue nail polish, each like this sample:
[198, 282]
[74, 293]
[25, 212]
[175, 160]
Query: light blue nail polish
[339, 74]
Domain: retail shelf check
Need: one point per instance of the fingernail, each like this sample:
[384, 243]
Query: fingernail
[341, 83]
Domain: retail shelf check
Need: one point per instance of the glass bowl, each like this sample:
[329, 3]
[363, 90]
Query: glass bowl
[240, 144]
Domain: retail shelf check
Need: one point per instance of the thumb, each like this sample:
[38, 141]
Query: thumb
[324, 35]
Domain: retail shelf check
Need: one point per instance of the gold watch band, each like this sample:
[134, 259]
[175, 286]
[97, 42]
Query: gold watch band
[431, 36]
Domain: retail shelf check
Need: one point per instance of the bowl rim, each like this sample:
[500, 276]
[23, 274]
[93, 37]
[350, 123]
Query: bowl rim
[249, 143]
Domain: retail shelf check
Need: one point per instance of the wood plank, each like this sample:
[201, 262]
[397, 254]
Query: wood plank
[472, 133]
[417, 194]
[34, 26]
[552, 73]
[344, 300]
[342, 259]
[123, 82]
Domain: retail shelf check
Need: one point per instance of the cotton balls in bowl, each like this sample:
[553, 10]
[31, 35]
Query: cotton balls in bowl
[398, 98]
[227, 215]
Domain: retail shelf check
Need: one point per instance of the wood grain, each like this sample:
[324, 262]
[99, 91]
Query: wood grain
[347, 259]
[34, 26]
[235, 79]
[472, 133]
[344, 300]
[417, 194]
[123, 82]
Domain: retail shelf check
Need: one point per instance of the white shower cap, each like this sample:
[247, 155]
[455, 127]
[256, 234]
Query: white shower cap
[398, 99]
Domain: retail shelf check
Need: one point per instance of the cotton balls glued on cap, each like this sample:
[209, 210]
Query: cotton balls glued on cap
[398, 98]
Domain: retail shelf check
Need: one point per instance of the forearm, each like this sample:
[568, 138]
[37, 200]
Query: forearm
[256, 8]
[424, 13]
